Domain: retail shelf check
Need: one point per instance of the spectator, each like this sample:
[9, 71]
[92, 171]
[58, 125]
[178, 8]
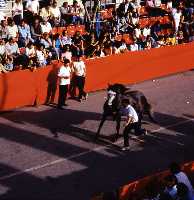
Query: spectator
[181, 176]
[17, 11]
[8, 66]
[80, 74]
[78, 44]
[36, 31]
[2, 49]
[177, 19]
[12, 29]
[12, 47]
[3, 30]
[45, 26]
[41, 56]
[76, 13]
[46, 41]
[124, 8]
[24, 34]
[170, 186]
[65, 13]
[55, 14]
[66, 39]
[64, 76]
[33, 6]
[31, 52]
[2, 69]
[57, 45]
[45, 12]
[66, 53]
[134, 46]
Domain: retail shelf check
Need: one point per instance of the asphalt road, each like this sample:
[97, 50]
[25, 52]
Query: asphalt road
[36, 165]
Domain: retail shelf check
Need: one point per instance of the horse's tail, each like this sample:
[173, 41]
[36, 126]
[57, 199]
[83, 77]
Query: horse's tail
[147, 108]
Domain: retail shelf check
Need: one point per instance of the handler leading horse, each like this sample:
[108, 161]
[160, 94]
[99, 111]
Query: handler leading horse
[115, 94]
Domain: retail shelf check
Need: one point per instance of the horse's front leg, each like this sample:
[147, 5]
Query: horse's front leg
[100, 126]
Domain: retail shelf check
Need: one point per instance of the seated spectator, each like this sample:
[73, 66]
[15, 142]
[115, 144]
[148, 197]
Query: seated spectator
[66, 53]
[78, 44]
[171, 40]
[8, 65]
[77, 13]
[12, 29]
[99, 51]
[41, 56]
[122, 47]
[12, 47]
[46, 41]
[155, 29]
[55, 14]
[2, 69]
[65, 13]
[36, 31]
[31, 51]
[45, 26]
[45, 12]
[171, 186]
[57, 45]
[17, 11]
[66, 39]
[2, 48]
[183, 192]
[124, 8]
[24, 34]
[181, 176]
[146, 31]
[3, 30]
[134, 46]
[32, 10]
[91, 45]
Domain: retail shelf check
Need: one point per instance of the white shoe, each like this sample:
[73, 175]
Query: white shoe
[125, 148]
[86, 97]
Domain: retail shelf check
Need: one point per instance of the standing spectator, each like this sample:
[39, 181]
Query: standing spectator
[41, 56]
[66, 53]
[177, 19]
[17, 11]
[12, 29]
[80, 75]
[64, 76]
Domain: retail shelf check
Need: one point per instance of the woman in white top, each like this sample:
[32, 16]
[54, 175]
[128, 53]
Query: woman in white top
[17, 11]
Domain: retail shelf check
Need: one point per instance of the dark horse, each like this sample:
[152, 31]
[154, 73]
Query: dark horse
[112, 105]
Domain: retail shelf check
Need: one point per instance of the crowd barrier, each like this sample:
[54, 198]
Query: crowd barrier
[21, 88]
[139, 188]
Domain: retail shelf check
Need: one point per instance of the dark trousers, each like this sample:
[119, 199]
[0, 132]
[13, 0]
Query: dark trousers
[80, 82]
[63, 89]
[72, 87]
[138, 131]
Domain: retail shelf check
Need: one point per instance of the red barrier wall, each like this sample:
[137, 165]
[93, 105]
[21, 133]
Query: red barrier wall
[24, 87]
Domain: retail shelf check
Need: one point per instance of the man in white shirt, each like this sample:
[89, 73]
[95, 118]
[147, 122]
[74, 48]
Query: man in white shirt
[132, 122]
[45, 26]
[64, 76]
[33, 6]
[80, 74]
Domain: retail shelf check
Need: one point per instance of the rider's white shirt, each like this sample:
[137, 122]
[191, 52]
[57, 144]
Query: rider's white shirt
[129, 111]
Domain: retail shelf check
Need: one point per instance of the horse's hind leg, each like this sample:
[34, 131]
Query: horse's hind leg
[100, 126]
[151, 115]
[118, 121]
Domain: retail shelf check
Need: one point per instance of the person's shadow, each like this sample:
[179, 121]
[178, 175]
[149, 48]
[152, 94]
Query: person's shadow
[52, 84]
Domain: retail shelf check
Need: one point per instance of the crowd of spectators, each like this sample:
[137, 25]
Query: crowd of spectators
[27, 39]
[174, 186]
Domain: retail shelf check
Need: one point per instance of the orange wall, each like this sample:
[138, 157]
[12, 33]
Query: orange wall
[22, 88]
